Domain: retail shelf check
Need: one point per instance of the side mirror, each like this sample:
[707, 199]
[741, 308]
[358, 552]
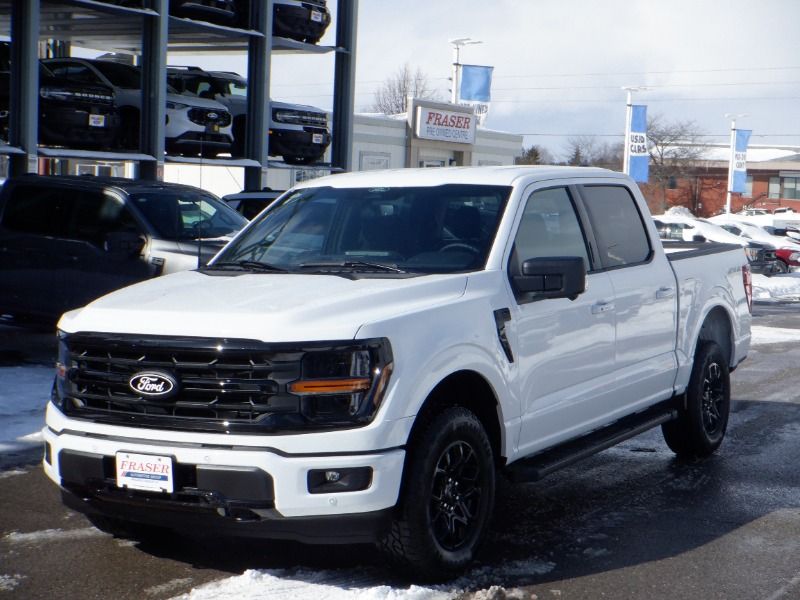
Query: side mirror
[126, 243]
[552, 277]
[699, 238]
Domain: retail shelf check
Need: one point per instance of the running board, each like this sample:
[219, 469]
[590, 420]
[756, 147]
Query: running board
[538, 466]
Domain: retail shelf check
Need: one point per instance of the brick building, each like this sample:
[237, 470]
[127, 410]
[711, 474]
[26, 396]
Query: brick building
[773, 181]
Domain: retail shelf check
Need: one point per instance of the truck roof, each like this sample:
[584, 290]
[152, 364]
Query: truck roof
[494, 175]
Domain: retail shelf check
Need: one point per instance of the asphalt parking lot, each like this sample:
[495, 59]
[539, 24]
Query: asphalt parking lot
[632, 522]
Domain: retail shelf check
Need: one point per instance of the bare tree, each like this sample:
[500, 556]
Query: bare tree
[587, 151]
[675, 147]
[392, 97]
[535, 155]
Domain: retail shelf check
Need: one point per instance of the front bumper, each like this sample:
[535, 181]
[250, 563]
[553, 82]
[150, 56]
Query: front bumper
[296, 22]
[249, 491]
[296, 144]
[200, 142]
[68, 126]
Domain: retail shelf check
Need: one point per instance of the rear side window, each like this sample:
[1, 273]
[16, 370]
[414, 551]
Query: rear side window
[37, 210]
[617, 224]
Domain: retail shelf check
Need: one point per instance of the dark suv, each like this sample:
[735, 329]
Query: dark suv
[67, 240]
[71, 114]
[297, 132]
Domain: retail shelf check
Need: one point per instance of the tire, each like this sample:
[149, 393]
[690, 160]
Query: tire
[446, 500]
[781, 267]
[701, 424]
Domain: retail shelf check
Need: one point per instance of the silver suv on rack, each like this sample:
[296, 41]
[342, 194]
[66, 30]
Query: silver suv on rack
[298, 133]
[195, 125]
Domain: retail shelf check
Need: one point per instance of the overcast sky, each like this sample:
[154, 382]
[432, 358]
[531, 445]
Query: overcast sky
[559, 64]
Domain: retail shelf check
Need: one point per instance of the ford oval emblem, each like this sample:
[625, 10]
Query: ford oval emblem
[213, 115]
[153, 384]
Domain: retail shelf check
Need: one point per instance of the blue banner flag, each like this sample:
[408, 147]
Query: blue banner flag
[637, 144]
[476, 83]
[739, 160]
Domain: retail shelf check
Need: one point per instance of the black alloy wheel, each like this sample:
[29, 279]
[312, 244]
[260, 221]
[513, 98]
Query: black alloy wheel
[455, 496]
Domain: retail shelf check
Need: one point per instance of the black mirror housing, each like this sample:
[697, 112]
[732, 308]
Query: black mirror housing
[124, 243]
[552, 277]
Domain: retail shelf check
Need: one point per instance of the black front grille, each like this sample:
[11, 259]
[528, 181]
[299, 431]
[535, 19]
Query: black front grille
[209, 116]
[221, 384]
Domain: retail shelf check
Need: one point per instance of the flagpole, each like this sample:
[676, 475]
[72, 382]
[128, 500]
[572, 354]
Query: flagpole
[731, 160]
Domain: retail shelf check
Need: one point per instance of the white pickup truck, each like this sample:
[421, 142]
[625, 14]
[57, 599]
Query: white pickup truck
[366, 357]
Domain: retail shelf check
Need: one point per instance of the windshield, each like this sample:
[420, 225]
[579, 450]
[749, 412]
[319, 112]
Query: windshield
[442, 229]
[187, 215]
[120, 75]
[234, 87]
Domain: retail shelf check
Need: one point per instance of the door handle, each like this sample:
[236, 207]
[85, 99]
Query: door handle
[602, 307]
[665, 292]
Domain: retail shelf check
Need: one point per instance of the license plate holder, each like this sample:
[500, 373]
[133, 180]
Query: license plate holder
[148, 472]
[97, 120]
[316, 16]
[316, 138]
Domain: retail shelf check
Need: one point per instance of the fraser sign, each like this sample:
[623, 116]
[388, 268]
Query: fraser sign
[445, 125]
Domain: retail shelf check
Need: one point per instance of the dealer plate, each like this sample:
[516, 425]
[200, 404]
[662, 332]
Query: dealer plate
[316, 138]
[213, 128]
[316, 16]
[145, 472]
[97, 120]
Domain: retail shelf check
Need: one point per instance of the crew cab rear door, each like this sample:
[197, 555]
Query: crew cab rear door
[645, 294]
[563, 349]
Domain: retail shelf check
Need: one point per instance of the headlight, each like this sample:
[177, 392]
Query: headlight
[794, 257]
[55, 94]
[176, 105]
[345, 384]
[288, 116]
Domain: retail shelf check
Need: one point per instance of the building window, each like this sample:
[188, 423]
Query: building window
[774, 187]
[791, 188]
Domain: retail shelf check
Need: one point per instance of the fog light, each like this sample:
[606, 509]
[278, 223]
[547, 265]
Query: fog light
[329, 481]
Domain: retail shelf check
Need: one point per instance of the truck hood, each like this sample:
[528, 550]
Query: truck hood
[263, 306]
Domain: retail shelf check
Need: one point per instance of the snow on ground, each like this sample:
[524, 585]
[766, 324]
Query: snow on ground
[777, 287]
[24, 392]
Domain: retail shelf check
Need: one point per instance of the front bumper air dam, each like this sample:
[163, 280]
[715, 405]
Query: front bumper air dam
[235, 491]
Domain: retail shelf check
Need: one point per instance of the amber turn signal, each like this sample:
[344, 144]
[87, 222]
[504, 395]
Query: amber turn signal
[330, 386]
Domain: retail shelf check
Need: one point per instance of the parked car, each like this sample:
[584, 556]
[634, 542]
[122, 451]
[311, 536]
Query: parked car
[298, 133]
[787, 250]
[71, 114]
[360, 363]
[301, 20]
[249, 204]
[222, 12]
[194, 125]
[762, 256]
[67, 240]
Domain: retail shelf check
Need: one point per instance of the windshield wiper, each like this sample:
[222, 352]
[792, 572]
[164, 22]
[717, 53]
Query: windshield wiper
[247, 265]
[355, 265]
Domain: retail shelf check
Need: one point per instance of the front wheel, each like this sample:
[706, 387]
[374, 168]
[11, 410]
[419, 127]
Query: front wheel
[447, 497]
[701, 424]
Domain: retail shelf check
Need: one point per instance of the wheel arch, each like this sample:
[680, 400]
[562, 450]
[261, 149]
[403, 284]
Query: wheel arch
[471, 390]
[717, 327]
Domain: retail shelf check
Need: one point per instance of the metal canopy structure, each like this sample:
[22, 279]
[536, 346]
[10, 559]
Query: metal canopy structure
[149, 32]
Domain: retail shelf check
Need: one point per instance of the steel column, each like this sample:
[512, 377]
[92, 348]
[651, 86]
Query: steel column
[258, 104]
[155, 33]
[344, 85]
[24, 100]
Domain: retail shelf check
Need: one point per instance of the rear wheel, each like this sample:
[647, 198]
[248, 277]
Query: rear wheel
[447, 497]
[700, 427]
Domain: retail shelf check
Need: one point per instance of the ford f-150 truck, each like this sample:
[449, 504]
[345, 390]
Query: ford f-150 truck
[366, 357]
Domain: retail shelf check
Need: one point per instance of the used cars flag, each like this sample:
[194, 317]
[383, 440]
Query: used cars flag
[639, 166]
[738, 166]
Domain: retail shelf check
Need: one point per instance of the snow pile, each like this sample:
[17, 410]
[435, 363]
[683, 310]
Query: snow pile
[778, 287]
[679, 211]
[773, 335]
[26, 391]
[321, 585]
